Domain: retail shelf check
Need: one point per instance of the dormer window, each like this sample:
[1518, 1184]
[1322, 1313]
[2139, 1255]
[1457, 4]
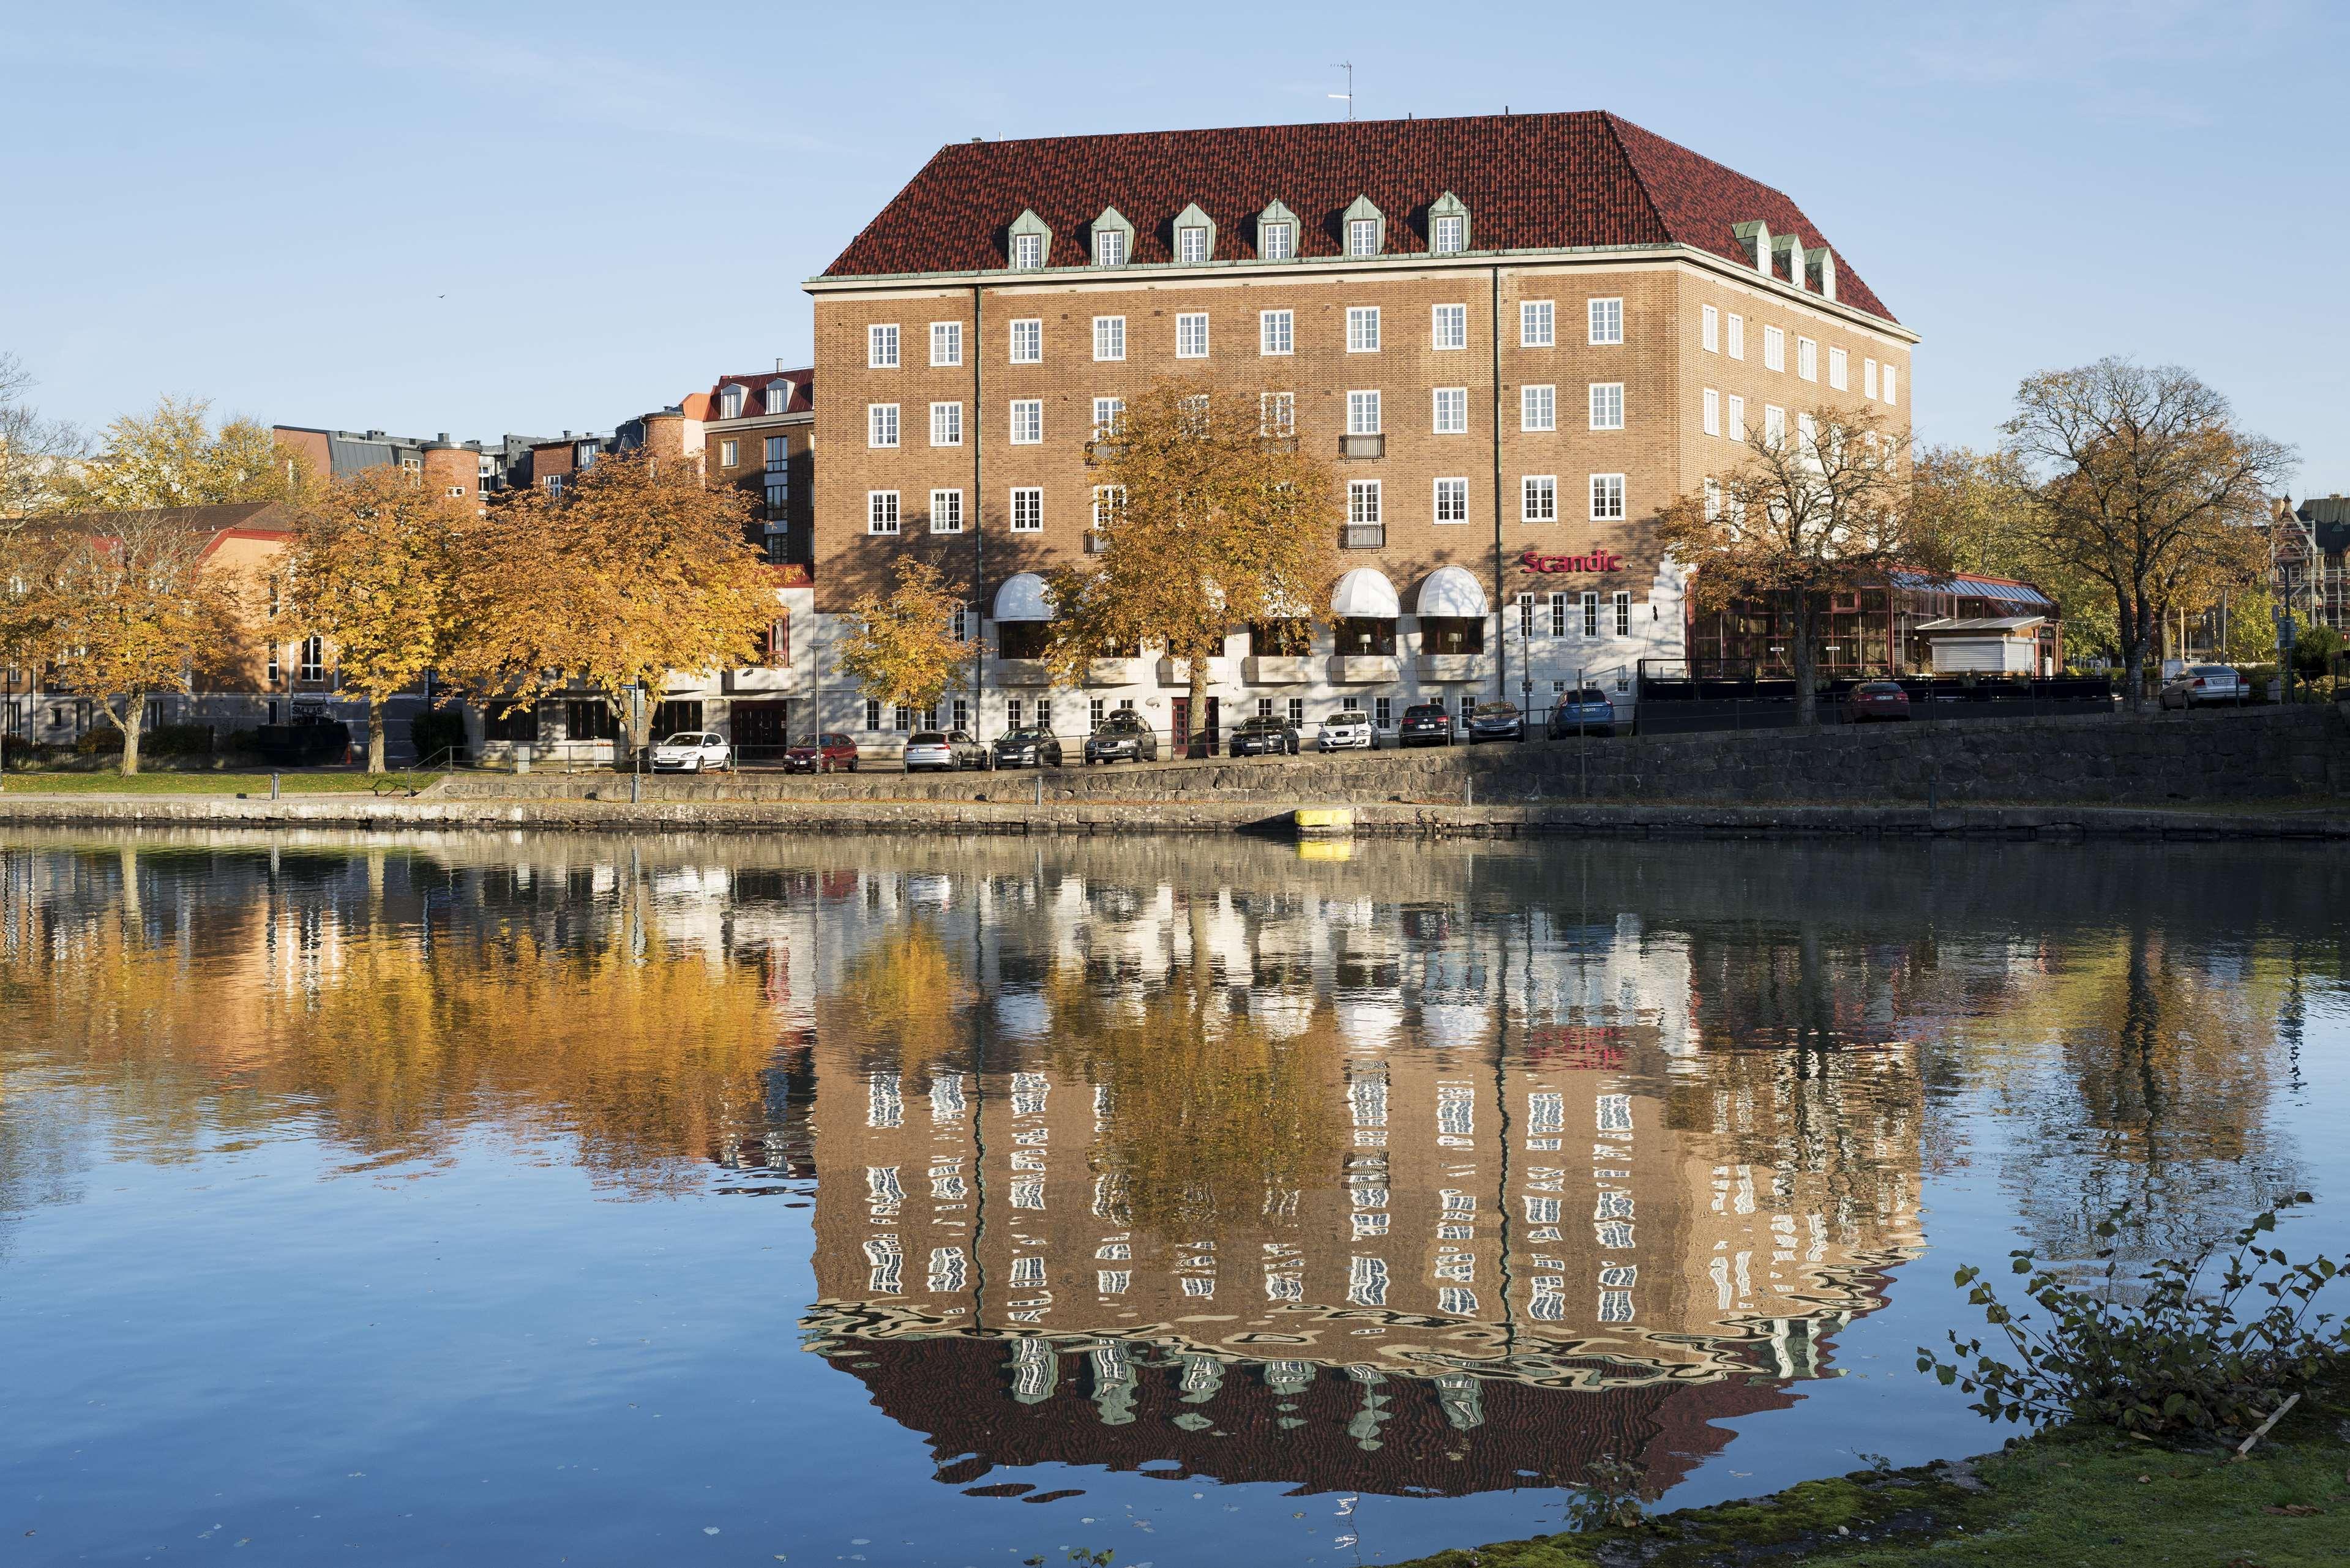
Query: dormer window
[730, 403]
[1192, 246]
[1276, 234]
[1109, 249]
[779, 396]
[587, 454]
[1031, 241]
[1364, 227]
[1754, 238]
[1447, 225]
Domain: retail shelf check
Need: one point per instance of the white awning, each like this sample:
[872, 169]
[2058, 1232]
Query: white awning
[1364, 594]
[1452, 591]
[1022, 598]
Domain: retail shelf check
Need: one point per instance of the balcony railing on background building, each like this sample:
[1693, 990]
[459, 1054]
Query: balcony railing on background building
[1352, 446]
[1097, 543]
[1363, 536]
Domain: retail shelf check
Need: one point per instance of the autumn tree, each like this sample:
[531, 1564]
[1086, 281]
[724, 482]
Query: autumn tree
[372, 571]
[636, 570]
[1210, 518]
[175, 456]
[2147, 487]
[125, 611]
[1811, 511]
[1985, 515]
[902, 647]
[35, 453]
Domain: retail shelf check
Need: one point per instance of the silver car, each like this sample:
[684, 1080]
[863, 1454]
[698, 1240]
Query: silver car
[1349, 731]
[2199, 683]
[949, 751]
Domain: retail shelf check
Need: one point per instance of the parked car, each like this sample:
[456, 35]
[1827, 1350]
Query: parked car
[1122, 737]
[947, 750]
[1349, 729]
[825, 754]
[1266, 735]
[1583, 712]
[1425, 724]
[1028, 749]
[1496, 720]
[694, 751]
[1871, 701]
[2202, 683]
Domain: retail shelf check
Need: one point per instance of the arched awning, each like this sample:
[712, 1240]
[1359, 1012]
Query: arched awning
[1022, 598]
[1452, 591]
[1364, 594]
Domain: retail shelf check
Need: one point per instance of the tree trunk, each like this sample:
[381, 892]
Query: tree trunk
[2131, 625]
[1195, 707]
[129, 731]
[1808, 696]
[375, 736]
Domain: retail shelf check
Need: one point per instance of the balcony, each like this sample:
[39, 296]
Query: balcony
[1361, 446]
[1444, 667]
[1363, 536]
[1177, 673]
[1364, 669]
[1115, 672]
[1097, 543]
[760, 678]
[1278, 670]
[1019, 672]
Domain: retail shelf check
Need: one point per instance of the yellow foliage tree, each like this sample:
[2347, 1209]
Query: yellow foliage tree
[174, 457]
[902, 647]
[1986, 517]
[372, 570]
[637, 570]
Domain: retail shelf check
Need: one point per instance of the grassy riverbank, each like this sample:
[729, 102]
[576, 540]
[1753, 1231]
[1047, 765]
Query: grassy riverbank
[2071, 1497]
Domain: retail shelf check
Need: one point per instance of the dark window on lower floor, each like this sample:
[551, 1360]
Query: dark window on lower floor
[1365, 635]
[590, 721]
[519, 724]
[1023, 638]
[1452, 634]
[676, 715]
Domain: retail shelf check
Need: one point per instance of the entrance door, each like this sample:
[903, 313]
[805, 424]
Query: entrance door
[1183, 723]
[762, 730]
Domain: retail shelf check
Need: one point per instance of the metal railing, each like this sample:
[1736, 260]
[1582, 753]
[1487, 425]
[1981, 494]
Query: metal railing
[1363, 536]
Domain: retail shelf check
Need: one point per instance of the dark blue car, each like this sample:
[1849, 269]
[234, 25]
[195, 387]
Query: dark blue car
[1584, 711]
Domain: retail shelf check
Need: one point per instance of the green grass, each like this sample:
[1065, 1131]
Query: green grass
[335, 782]
[2071, 1497]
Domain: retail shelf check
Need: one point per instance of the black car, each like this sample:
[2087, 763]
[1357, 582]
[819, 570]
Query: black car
[1496, 721]
[1425, 724]
[1028, 749]
[1267, 735]
[1122, 737]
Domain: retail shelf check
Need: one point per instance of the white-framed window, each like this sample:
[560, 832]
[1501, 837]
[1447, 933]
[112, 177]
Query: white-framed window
[1537, 322]
[1451, 411]
[1449, 235]
[1363, 502]
[1383, 712]
[1839, 370]
[873, 714]
[1095, 709]
[1109, 247]
[1279, 241]
[946, 511]
[1028, 341]
[1362, 329]
[1526, 617]
[1109, 337]
[1712, 416]
[1277, 332]
[1363, 237]
[312, 659]
[1538, 498]
[1108, 414]
[1607, 497]
[1607, 405]
[1713, 499]
[881, 347]
[946, 341]
[1109, 500]
[1590, 604]
[1775, 349]
[1453, 501]
[726, 453]
[1028, 422]
[1363, 413]
[1737, 427]
[1774, 424]
[1028, 510]
[1869, 378]
[1807, 437]
[1278, 413]
[1887, 378]
[1623, 613]
[1606, 320]
[1027, 250]
[1449, 327]
[1558, 622]
[1190, 245]
[730, 403]
[1191, 334]
[880, 424]
[1807, 359]
[1735, 345]
[775, 398]
[1708, 328]
[946, 424]
[1538, 408]
[880, 512]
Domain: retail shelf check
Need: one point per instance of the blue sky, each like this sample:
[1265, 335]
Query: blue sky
[427, 216]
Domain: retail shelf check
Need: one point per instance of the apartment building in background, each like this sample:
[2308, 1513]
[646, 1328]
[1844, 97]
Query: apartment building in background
[758, 435]
[475, 468]
[1518, 338]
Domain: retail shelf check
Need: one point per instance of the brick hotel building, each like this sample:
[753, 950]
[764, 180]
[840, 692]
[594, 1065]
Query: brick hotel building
[1517, 337]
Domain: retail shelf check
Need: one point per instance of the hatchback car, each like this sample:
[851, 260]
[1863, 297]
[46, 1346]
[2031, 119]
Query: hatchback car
[1266, 735]
[1028, 749]
[694, 751]
[1348, 730]
[2202, 683]
[944, 750]
[826, 754]
[1584, 711]
[1425, 724]
[1872, 701]
[1496, 721]
[1122, 737]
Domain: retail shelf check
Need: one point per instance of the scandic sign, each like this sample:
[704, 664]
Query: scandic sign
[1595, 561]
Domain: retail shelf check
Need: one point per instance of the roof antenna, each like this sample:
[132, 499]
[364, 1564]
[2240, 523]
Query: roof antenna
[1347, 66]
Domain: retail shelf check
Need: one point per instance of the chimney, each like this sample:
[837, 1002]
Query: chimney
[442, 438]
[1755, 237]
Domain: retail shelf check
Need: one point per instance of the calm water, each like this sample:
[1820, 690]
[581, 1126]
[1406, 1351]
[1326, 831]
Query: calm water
[512, 1199]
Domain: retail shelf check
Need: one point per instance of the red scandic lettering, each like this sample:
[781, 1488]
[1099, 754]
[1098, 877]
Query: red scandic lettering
[1596, 561]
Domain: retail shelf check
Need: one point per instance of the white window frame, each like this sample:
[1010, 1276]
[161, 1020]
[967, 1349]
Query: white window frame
[1108, 414]
[1869, 378]
[1606, 491]
[881, 511]
[1279, 241]
[1538, 408]
[1606, 399]
[1109, 247]
[1712, 411]
[1604, 319]
[1448, 235]
[1108, 499]
[1363, 506]
[1448, 326]
[880, 425]
[1450, 489]
[1109, 337]
[1775, 425]
[1623, 603]
[1734, 424]
[882, 345]
[1193, 325]
[1708, 328]
[727, 452]
[1027, 509]
[1885, 378]
[1277, 332]
[1449, 411]
[1277, 414]
[1027, 251]
[1538, 498]
[1363, 411]
[946, 343]
[946, 424]
[1775, 349]
[1537, 324]
[1840, 370]
[1362, 329]
[1807, 359]
[1362, 237]
[1027, 340]
[946, 512]
[1734, 344]
[1192, 246]
[1028, 422]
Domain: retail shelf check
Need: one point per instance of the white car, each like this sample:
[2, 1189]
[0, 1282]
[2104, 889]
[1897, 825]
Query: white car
[1348, 732]
[694, 751]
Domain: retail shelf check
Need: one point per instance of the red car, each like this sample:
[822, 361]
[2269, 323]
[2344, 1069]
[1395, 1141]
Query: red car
[1874, 700]
[830, 753]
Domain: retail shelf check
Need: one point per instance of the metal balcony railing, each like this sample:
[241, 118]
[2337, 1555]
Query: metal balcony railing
[1356, 446]
[1363, 536]
[1097, 543]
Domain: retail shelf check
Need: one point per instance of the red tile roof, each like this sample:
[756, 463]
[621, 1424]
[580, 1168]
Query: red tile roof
[802, 398]
[1531, 181]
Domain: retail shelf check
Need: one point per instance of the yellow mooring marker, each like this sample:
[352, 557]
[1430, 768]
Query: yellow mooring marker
[1323, 821]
